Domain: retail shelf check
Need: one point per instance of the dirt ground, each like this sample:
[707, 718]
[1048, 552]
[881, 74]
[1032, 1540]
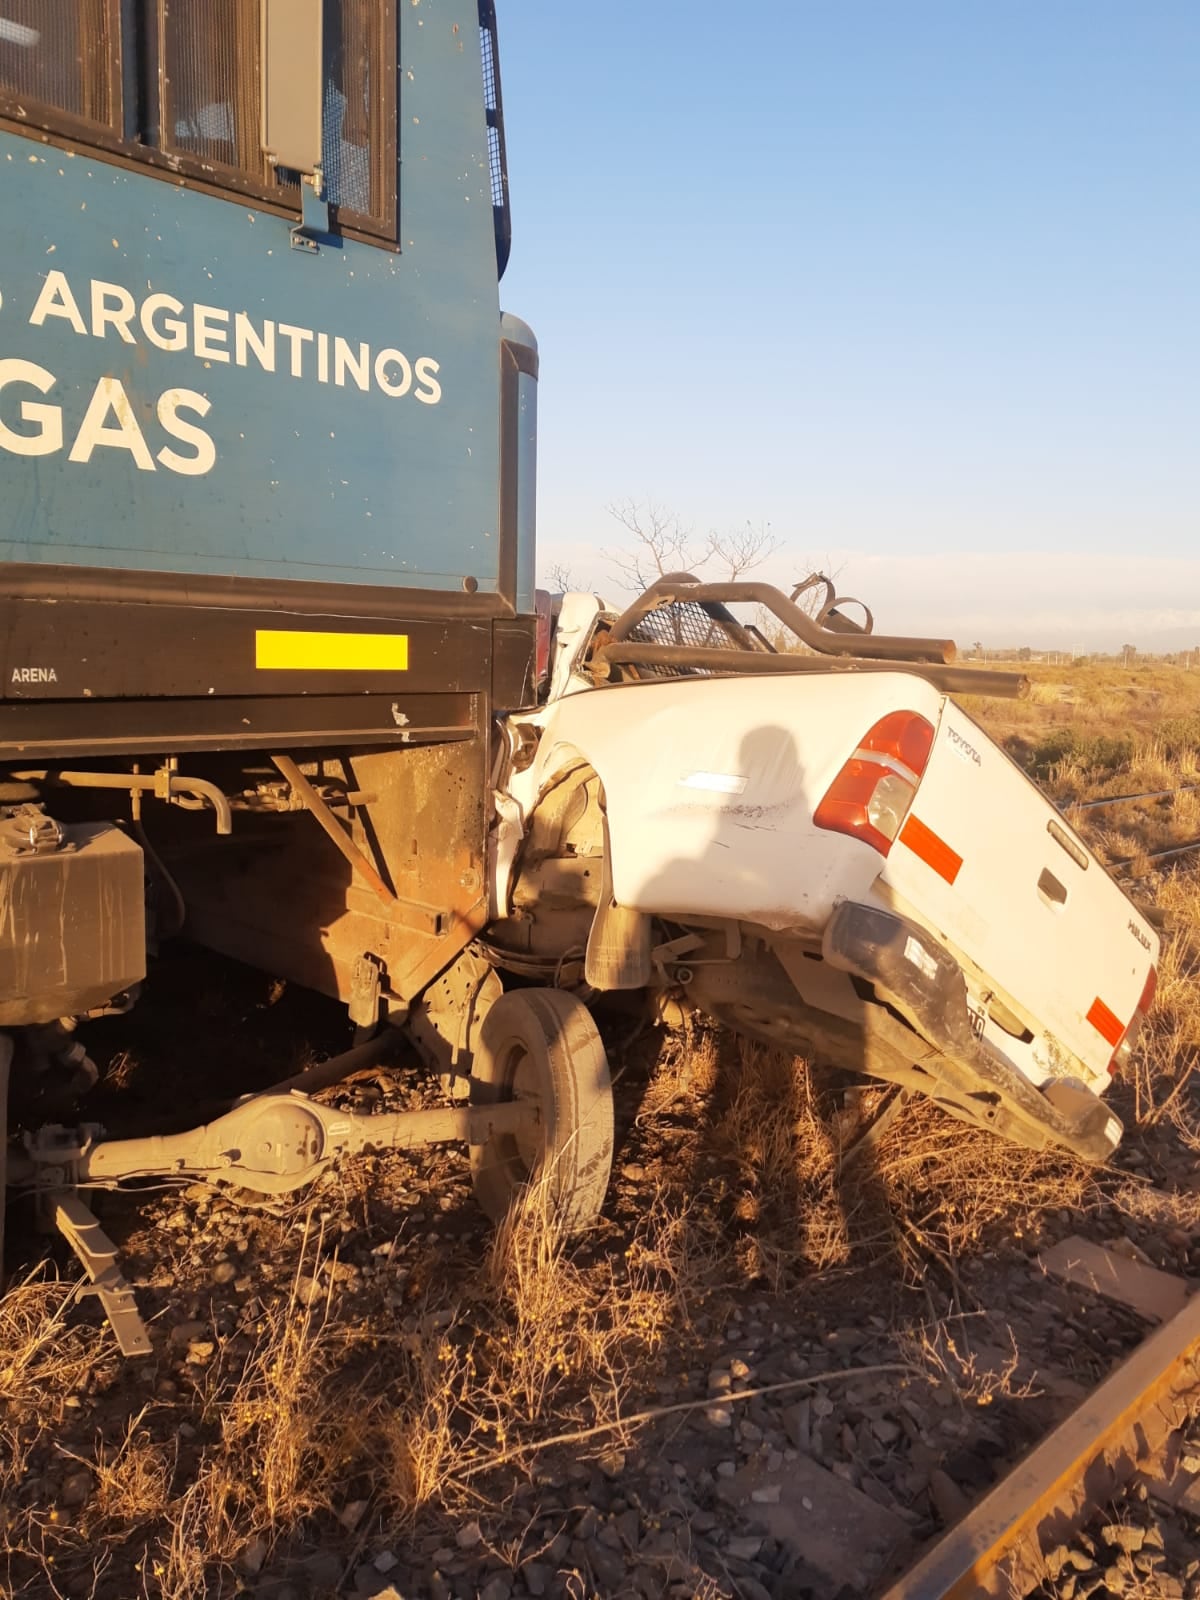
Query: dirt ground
[794, 1350]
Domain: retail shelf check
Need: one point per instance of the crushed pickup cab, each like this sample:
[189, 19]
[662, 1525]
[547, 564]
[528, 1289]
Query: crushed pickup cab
[812, 842]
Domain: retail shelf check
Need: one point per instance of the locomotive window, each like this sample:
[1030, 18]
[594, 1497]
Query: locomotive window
[211, 88]
[359, 154]
[193, 83]
[210, 84]
[59, 56]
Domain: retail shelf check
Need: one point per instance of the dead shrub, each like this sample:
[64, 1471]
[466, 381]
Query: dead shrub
[685, 1071]
[771, 1129]
[951, 1185]
[43, 1357]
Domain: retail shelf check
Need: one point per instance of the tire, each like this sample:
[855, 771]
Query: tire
[543, 1044]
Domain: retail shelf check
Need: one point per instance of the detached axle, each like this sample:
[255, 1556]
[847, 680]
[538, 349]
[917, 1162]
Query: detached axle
[271, 1144]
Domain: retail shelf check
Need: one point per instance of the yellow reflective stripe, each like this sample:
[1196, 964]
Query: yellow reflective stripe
[280, 651]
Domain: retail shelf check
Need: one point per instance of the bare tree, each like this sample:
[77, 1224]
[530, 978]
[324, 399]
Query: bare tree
[559, 577]
[661, 544]
[740, 550]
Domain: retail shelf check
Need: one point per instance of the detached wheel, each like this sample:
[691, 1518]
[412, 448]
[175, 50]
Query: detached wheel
[542, 1045]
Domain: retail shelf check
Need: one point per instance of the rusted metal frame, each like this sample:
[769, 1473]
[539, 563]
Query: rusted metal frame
[736, 663]
[333, 829]
[998, 1547]
[168, 786]
[327, 1073]
[681, 587]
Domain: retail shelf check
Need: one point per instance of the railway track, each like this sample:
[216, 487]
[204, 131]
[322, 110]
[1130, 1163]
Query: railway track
[1126, 1428]
[1168, 853]
[1172, 852]
[1120, 799]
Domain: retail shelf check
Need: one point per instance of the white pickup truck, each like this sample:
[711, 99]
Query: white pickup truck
[821, 850]
[816, 846]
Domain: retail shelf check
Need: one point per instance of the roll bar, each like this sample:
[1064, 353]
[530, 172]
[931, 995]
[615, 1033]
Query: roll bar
[831, 634]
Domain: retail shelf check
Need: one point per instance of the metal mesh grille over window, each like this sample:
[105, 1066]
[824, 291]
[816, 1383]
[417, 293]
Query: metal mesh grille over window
[209, 53]
[493, 106]
[490, 99]
[183, 79]
[496, 163]
[57, 53]
[357, 158]
[684, 622]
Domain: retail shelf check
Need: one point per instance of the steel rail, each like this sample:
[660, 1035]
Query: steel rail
[999, 1547]
[1120, 799]
[1154, 855]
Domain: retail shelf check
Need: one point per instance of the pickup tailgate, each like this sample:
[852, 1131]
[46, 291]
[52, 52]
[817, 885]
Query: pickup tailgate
[985, 861]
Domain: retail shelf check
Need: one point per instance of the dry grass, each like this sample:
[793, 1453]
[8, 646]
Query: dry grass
[942, 1354]
[785, 1145]
[1072, 705]
[43, 1357]
[315, 1421]
[1166, 1062]
[955, 1188]
[275, 1439]
[807, 1199]
[325, 1411]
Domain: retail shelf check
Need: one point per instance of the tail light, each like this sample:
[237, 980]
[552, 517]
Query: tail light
[1130, 1037]
[870, 797]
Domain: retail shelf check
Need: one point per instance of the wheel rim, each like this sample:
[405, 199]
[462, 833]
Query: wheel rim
[522, 1082]
[525, 1084]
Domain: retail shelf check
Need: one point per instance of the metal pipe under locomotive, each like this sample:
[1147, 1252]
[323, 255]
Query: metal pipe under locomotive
[267, 454]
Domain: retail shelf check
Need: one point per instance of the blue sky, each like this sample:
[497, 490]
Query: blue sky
[916, 282]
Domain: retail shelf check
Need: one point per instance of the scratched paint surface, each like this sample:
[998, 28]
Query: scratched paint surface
[182, 391]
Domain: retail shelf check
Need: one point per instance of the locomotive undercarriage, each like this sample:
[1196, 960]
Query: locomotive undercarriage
[352, 874]
[348, 873]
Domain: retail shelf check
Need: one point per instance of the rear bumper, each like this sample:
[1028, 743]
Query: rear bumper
[910, 971]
